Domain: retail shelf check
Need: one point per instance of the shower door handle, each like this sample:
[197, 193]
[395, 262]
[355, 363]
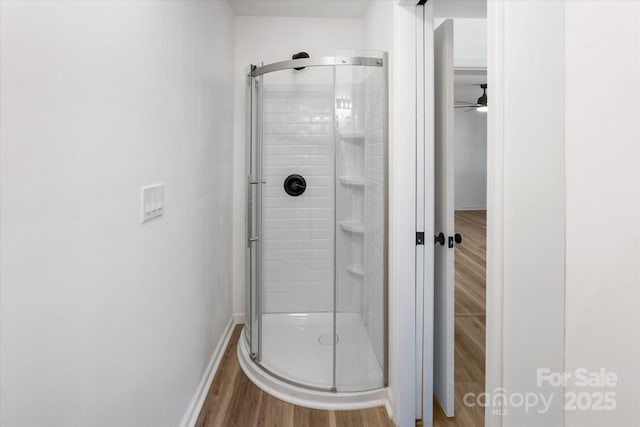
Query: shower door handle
[249, 211]
[251, 184]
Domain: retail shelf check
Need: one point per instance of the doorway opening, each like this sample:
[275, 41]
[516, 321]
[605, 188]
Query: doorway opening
[461, 110]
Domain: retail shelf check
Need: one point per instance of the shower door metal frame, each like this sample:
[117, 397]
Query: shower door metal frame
[385, 275]
[254, 216]
[254, 209]
[326, 61]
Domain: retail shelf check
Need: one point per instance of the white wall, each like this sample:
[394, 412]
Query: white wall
[272, 39]
[469, 41]
[460, 8]
[585, 136]
[603, 202]
[470, 135]
[106, 321]
[530, 208]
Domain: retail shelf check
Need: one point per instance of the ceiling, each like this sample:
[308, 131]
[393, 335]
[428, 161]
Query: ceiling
[467, 85]
[301, 8]
[348, 8]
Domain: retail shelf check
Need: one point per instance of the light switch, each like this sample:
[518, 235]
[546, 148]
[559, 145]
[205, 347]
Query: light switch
[152, 201]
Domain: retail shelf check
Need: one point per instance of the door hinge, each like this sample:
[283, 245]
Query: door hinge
[419, 237]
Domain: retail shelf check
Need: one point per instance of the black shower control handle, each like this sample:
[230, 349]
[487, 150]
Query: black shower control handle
[295, 185]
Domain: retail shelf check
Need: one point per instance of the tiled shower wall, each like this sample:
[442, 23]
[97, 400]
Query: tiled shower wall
[373, 292]
[298, 232]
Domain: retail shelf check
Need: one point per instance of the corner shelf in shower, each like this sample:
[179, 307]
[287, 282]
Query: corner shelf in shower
[352, 227]
[355, 137]
[356, 270]
[352, 181]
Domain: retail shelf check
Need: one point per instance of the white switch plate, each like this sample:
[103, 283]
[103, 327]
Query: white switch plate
[152, 201]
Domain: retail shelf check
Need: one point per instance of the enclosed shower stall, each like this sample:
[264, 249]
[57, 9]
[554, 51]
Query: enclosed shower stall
[316, 296]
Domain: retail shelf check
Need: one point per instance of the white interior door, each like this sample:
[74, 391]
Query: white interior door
[443, 368]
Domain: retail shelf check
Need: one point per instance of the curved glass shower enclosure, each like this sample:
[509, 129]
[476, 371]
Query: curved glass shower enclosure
[316, 296]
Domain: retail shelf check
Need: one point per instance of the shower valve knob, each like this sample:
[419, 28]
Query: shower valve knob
[295, 185]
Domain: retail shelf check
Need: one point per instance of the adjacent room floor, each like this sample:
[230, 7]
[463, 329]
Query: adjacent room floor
[470, 312]
[233, 400]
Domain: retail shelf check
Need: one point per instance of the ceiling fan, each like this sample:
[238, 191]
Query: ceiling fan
[480, 105]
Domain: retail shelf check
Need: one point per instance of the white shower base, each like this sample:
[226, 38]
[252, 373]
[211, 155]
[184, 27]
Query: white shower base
[292, 350]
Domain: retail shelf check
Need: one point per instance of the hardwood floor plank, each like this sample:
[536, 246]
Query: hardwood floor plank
[376, 417]
[274, 412]
[243, 407]
[220, 393]
[349, 419]
[310, 417]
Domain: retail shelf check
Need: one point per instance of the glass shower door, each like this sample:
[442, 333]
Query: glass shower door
[297, 226]
[361, 219]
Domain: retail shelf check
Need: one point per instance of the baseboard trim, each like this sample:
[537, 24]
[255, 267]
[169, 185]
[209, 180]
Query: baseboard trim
[239, 318]
[195, 406]
[388, 405]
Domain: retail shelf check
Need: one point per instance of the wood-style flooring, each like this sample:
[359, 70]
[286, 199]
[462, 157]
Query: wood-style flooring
[234, 401]
[470, 309]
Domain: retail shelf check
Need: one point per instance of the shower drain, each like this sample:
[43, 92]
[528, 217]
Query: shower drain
[325, 339]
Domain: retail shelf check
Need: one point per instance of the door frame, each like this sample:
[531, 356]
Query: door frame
[425, 202]
[495, 209]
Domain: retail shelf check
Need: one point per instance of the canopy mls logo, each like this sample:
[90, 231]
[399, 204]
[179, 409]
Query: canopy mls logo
[499, 401]
[595, 393]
